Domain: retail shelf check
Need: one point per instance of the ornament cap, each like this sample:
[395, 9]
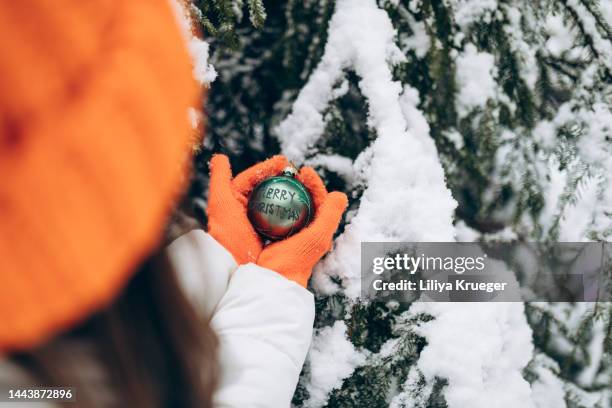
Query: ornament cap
[290, 171]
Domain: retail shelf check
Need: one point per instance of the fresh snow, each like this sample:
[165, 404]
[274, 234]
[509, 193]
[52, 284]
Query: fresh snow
[342, 166]
[525, 52]
[561, 37]
[203, 72]
[481, 349]
[476, 74]
[332, 358]
[419, 40]
[548, 391]
[602, 45]
[406, 198]
[470, 11]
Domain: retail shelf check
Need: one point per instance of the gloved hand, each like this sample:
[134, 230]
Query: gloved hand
[227, 205]
[294, 257]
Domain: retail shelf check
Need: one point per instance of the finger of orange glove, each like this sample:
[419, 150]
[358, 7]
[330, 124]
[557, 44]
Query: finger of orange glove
[227, 219]
[220, 174]
[329, 214]
[309, 177]
[295, 256]
[319, 233]
[244, 182]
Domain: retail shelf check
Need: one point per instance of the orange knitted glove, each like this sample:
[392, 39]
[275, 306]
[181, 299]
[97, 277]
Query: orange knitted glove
[227, 205]
[295, 256]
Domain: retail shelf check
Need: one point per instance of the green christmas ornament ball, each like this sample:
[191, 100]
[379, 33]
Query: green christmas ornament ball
[280, 206]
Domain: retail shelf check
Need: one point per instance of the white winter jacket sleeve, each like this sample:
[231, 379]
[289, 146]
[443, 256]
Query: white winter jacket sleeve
[263, 321]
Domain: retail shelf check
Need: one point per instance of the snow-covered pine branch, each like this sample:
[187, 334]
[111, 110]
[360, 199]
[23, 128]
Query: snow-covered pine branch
[504, 103]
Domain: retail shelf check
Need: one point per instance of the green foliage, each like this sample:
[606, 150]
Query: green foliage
[369, 327]
[564, 334]
[257, 13]
[219, 19]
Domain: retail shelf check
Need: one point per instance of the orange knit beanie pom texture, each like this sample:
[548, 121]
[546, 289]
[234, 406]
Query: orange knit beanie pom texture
[94, 147]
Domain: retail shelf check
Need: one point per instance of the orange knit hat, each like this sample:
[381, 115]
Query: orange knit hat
[94, 144]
